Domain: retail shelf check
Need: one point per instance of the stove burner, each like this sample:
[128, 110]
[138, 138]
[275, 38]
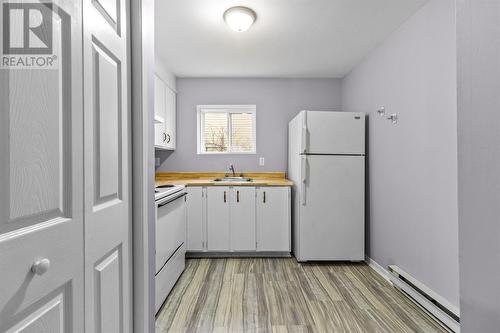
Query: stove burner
[165, 186]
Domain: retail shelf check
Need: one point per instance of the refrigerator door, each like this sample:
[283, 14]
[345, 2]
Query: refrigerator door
[332, 218]
[333, 133]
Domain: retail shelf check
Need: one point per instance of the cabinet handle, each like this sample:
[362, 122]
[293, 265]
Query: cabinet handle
[237, 196]
[168, 138]
[224, 196]
[264, 197]
[164, 136]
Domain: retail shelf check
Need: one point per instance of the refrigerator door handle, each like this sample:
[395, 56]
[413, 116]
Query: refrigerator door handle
[303, 181]
[304, 140]
[304, 134]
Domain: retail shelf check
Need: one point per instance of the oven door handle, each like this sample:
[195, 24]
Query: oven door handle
[169, 200]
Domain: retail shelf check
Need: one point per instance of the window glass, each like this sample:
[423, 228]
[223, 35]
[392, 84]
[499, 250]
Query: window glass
[215, 132]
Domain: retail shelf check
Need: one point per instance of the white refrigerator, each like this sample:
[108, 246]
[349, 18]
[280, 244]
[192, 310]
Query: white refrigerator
[326, 162]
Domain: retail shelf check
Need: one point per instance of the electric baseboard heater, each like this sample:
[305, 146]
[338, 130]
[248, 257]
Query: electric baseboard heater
[446, 313]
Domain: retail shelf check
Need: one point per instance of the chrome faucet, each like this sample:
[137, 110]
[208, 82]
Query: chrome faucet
[231, 168]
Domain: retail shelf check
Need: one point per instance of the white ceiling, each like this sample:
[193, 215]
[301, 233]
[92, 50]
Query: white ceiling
[291, 38]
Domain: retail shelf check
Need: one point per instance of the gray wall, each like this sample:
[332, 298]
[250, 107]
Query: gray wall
[277, 100]
[478, 23]
[412, 202]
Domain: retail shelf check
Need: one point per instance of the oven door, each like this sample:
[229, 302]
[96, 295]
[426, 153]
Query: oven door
[170, 227]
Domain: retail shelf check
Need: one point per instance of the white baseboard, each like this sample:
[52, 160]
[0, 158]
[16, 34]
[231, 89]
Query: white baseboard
[377, 268]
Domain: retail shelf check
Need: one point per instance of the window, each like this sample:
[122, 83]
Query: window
[226, 129]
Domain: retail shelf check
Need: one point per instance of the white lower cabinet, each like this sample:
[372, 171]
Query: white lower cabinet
[218, 232]
[195, 204]
[242, 213]
[273, 219]
[238, 219]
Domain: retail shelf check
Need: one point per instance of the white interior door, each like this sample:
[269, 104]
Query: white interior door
[332, 218]
[107, 135]
[41, 184]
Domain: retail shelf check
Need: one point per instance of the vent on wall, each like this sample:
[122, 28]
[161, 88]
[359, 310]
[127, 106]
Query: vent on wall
[446, 314]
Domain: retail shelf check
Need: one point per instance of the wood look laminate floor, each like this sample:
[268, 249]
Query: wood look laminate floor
[281, 295]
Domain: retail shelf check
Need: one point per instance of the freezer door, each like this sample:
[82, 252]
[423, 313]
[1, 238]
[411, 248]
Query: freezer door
[332, 217]
[333, 132]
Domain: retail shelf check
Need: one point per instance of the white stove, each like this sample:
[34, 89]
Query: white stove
[163, 191]
[170, 232]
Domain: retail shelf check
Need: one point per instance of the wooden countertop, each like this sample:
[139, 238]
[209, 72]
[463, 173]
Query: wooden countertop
[207, 179]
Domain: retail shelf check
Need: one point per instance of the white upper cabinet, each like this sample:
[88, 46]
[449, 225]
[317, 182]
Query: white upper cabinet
[159, 119]
[164, 115]
[170, 117]
[273, 219]
[243, 219]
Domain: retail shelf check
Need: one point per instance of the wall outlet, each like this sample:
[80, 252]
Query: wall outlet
[157, 161]
[261, 161]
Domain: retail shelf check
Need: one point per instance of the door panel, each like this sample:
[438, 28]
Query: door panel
[48, 318]
[108, 111]
[332, 220]
[107, 174]
[218, 228]
[41, 188]
[335, 132]
[243, 219]
[110, 11]
[273, 219]
[106, 274]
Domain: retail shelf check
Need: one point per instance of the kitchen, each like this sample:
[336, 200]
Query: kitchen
[268, 167]
[249, 166]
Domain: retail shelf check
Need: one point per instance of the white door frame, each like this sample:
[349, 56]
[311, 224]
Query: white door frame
[143, 173]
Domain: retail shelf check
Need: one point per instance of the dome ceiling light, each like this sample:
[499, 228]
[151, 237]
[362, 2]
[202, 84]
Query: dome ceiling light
[239, 18]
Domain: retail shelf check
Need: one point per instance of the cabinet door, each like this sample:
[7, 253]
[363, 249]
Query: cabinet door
[218, 218]
[243, 218]
[170, 117]
[273, 219]
[159, 114]
[195, 225]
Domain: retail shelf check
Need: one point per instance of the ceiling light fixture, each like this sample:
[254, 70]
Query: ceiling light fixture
[239, 18]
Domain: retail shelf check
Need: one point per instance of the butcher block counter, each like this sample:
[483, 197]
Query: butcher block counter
[208, 179]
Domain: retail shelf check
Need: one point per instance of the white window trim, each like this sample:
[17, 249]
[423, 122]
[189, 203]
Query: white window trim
[250, 108]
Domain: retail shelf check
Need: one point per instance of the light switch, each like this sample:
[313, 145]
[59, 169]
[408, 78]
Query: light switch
[261, 161]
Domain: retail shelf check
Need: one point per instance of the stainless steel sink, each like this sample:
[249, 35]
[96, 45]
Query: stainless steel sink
[233, 179]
